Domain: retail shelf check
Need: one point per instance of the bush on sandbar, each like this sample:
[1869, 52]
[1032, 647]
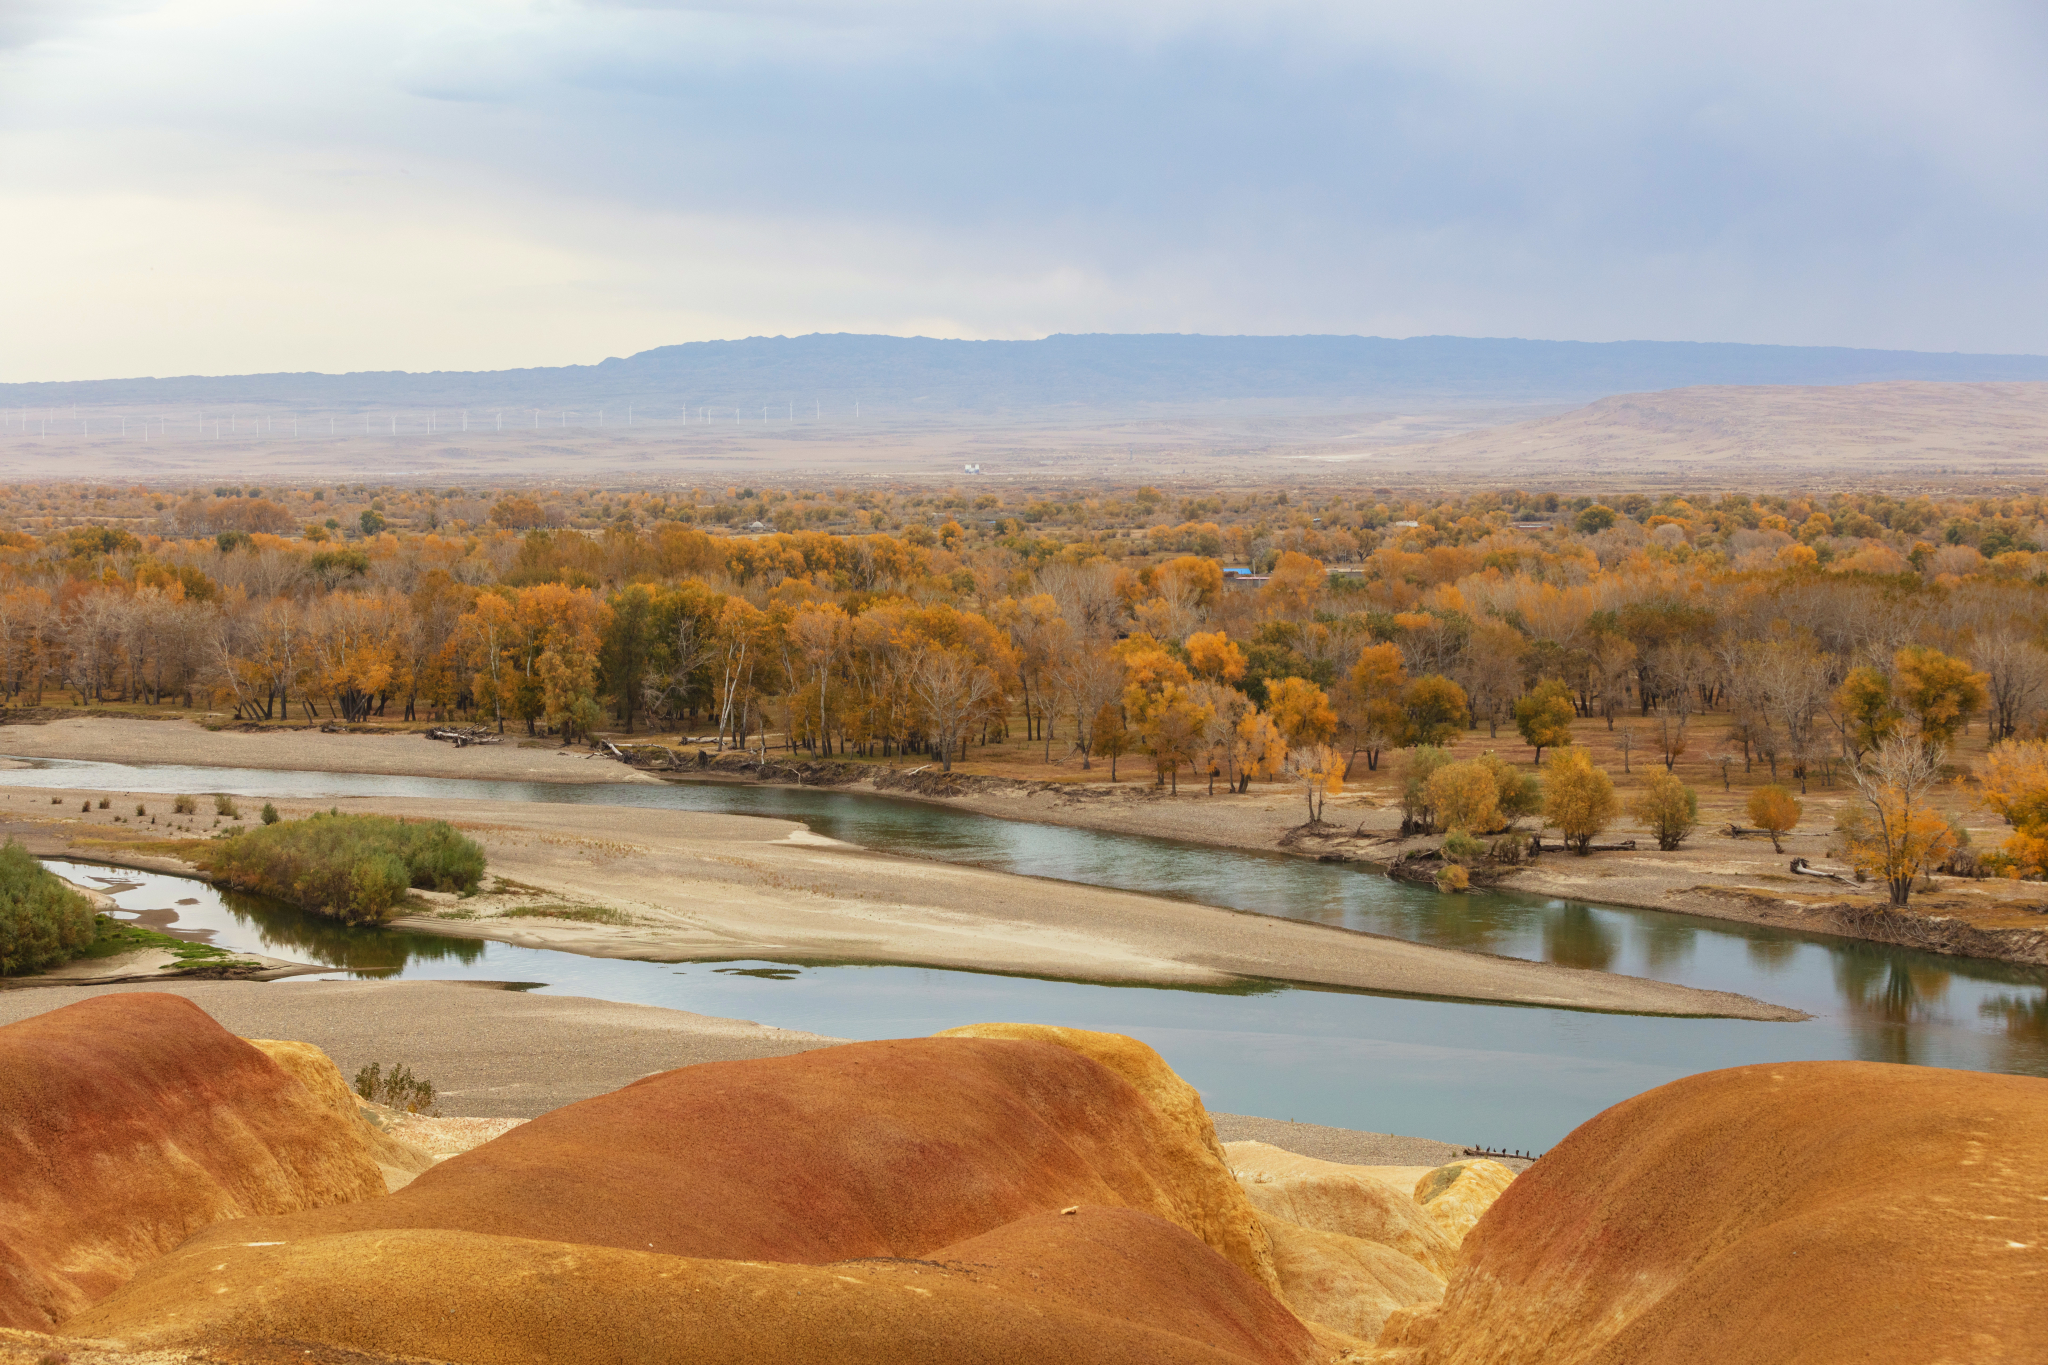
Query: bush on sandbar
[354, 867]
[42, 921]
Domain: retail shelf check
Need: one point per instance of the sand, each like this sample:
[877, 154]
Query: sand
[490, 1053]
[685, 886]
[177, 741]
[497, 1054]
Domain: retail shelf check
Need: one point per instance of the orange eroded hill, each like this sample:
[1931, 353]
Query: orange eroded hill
[1800, 1212]
[127, 1122]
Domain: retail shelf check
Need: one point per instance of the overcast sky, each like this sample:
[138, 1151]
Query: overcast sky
[219, 186]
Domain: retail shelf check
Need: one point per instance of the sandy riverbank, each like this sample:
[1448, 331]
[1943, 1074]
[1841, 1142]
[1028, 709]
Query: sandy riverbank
[1714, 875]
[108, 740]
[668, 885]
[507, 1054]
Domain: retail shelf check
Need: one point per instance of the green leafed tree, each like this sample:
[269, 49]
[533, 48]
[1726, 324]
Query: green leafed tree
[1544, 716]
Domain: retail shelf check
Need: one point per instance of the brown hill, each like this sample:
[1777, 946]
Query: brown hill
[1766, 1215]
[925, 1199]
[128, 1122]
[1756, 439]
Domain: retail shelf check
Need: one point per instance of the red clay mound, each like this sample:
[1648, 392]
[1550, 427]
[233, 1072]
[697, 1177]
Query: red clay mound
[127, 1122]
[1024, 1296]
[891, 1203]
[1803, 1212]
[870, 1149]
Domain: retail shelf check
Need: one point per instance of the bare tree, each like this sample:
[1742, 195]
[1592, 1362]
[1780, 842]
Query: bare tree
[1086, 681]
[2018, 671]
[952, 689]
[1087, 597]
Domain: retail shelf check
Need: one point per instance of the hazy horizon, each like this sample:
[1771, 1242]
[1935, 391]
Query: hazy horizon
[206, 187]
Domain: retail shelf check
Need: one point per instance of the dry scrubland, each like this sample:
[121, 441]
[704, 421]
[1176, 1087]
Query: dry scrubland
[1967, 437]
[790, 1208]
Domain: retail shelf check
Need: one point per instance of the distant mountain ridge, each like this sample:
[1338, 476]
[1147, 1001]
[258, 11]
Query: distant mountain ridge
[921, 375]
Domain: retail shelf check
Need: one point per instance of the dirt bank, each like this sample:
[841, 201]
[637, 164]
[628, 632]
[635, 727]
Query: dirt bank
[1715, 875]
[674, 886]
[109, 740]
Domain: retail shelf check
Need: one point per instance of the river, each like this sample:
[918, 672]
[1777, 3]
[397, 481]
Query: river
[1498, 1075]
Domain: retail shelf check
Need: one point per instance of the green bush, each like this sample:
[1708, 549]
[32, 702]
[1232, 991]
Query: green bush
[185, 805]
[270, 816]
[397, 1088]
[42, 921]
[1462, 848]
[354, 867]
[225, 805]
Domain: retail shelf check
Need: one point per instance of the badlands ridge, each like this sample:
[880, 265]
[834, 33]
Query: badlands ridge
[169, 1192]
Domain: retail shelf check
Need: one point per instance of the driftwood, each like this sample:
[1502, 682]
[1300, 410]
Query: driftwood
[1536, 846]
[462, 736]
[1805, 869]
[1739, 832]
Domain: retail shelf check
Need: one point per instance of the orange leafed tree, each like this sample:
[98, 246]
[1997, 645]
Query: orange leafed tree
[1301, 711]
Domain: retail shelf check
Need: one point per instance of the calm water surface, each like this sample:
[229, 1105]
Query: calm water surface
[1502, 1075]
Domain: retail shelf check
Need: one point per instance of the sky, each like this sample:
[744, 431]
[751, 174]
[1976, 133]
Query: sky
[227, 186]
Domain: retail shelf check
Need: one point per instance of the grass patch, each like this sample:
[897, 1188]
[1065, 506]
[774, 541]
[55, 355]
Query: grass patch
[585, 914]
[356, 868]
[42, 921]
[115, 937]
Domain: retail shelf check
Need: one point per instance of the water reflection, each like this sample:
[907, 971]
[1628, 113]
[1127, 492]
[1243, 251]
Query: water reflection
[1668, 944]
[1878, 1001]
[1573, 936]
[1471, 1072]
[1773, 955]
[250, 923]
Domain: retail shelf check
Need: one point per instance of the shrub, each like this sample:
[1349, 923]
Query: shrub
[1417, 767]
[354, 867]
[397, 1088]
[1462, 848]
[42, 921]
[270, 816]
[184, 805]
[225, 805]
[1669, 808]
[106, 802]
[1516, 793]
[1580, 799]
[1463, 797]
[1453, 878]
[141, 809]
[1774, 810]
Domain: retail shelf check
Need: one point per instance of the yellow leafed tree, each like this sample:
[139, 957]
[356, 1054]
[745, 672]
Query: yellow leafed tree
[1895, 834]
[2015, 784]
[1578, 798]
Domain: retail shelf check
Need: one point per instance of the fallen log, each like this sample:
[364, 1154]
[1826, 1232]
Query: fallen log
[1801, 867]
[462, 736]
[1536, 845]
